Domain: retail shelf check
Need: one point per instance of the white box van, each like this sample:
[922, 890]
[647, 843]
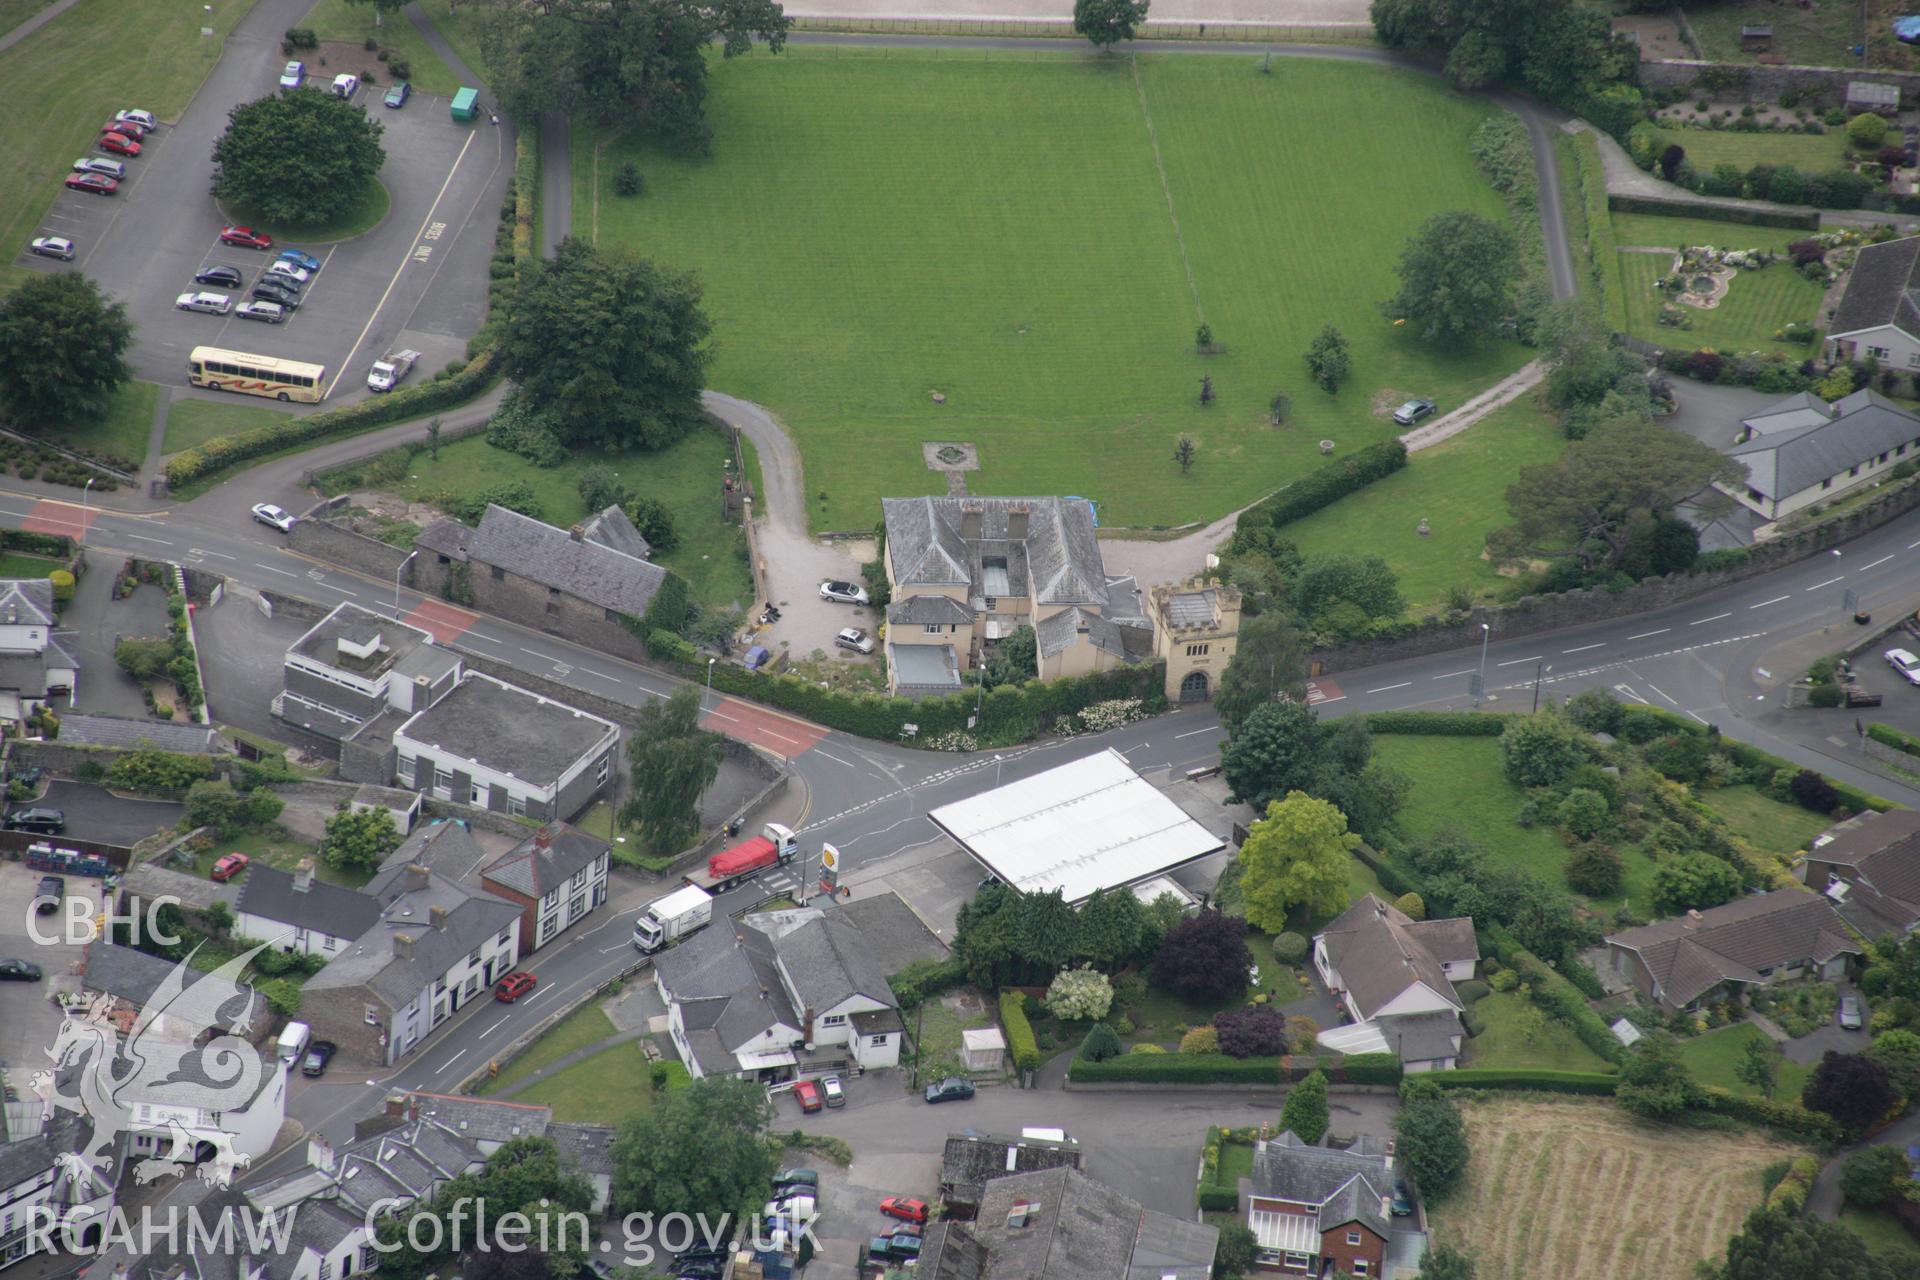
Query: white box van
[293, 1042]
[344, 85]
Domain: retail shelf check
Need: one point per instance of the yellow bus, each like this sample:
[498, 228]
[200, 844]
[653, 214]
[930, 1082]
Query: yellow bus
[256, 375]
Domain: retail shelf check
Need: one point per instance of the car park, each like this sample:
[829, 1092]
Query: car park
[513, 986]
[1905, 663]
[118, 143]
[229, 865]
[273, 291]
[293, 74]
[843, 592]
[319, 1054]
[832, 1091]
[213, 304]
[271, 312]
[397, 96]
[1413, 410]
[952, 1089]
[855, 639]
[905, 1208]
[97, 183]
[300, 258]
[287, 270]
[53, 247]
[227, 277]
[145, 119]
[268, 514]
[19, 971]
[100, 164]
[51, 893]
[246, 238]
[807, 1094]
[1851, 1017]
[46, 822]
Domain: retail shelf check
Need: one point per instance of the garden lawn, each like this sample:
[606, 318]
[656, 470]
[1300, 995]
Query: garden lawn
[1808, 152]
[275, 846]
[583, 1027]
[191, 422]
[1458, 782]
[608, 1088]
[995, 228]
[711, 555]
[1651, 229]
[1554, 1046]
[1771, 827]
[123, 430]
[15, 565]
[1460, 489]
[1881, 1232]
[941, 1019]
[1715, 1056]
[1819, 36]
[1757, 305]
[341, 20]
[71, 75]
[15, 12]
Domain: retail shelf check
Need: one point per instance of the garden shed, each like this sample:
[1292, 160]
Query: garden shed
[1756, 37]
[982, 1048]
[1881, 99]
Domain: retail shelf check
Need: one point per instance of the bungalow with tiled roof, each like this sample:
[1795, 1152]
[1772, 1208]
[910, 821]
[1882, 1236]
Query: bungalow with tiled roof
[1704, 957]
[1394, 976]
[1870, 871]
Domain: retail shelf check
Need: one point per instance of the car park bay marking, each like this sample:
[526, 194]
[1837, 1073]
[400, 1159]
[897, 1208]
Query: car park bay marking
[425, 222]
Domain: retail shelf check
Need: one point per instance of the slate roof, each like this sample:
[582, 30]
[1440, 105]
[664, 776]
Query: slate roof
[1880, 866]
[1193, 608]
[508, 729]
[1062, 630]
[1379, 952]
[1057, 562]
[1865, 425]
[1422, 1037]
[449, 538]
[24, 673]
[1801, 409]
[25, 601]
[1346, 1185]
[920, 611]
[535, 870]
[480, 1119]
[823, 957]
[1687, 956]
[1080, 1229]
[612, 530]
[1882, 290]
[590, 571]
[949, 1251]
[971, 1160]
[590, 1146]
[445, 846]
[114, 731]
[268, 892]
[405, 907]
[134, 976]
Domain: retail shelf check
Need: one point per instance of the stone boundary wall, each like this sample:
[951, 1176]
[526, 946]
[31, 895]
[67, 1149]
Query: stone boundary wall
[1062, 29]
[1763, 82]
[315, 534]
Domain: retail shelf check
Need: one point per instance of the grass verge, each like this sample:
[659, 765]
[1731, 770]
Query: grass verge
[192, 421]
[364, 215]
[608, 1088]
[585, 1026]
[122, 430]
[15, 565]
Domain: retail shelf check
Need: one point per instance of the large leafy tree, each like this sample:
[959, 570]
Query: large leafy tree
[1110, 927]
[611, 349]
[1296, 856]
[1871, 1175]
[1047, 927]
[1343, 592]
[1560, 49]
[1430, 1139]
[1204, 957]
[299, 157]
[1850, 1087]
[1107, 22]
[700, 1150]
[357, 839]
[986, 936]
[1269, 659]
[1588, 505]
[1456, 278]
[1777, 1244]
[1305, 1110]
[62, 345]
[1695, 881]
[640, 63]
[1274, 751]
[1542, 749]
[671, 762]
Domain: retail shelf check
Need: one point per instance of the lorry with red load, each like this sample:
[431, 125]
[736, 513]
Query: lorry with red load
[775, 846]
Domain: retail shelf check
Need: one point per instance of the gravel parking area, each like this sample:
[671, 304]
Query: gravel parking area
[29, 1022]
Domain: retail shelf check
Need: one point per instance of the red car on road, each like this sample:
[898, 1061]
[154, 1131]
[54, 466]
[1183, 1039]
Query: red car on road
[229, 865]
[904, 1208]
[119, 144]
[99, 184]
[246, 238]
[807, 1094]
[513, 986]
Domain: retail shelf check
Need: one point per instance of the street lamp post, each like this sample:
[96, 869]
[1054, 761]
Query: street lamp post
[709, 693]
[396, 581]
[85, 510]
[996, 771]
[1485, 632]
[1538, 671]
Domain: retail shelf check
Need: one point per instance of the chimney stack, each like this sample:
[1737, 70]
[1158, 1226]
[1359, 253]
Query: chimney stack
[319, 1154]
[1693, 919]
[1017, 522]
[543, 838]
[397, 1105]
[416, 877]
[576, 533]
[970, 515]
[303, 875]
[438, 915]
[403, 946]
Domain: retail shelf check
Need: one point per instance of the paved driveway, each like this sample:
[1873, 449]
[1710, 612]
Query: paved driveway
[94, 813]
[28, 1021]
[1710, 413]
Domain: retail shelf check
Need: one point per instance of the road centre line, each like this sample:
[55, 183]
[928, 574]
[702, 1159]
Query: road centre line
[1193, 733]
[547, 656]
[490, 1030]
[1451, 674]
[1582, 649]
[143, 538]
[1876, 564]
[223, 555]
[1715, 618]
[589, 671]
[1644, 634]
[1514, 662]
[1829, 582]
[1388, 688]
[1764, 603]
[283, 572]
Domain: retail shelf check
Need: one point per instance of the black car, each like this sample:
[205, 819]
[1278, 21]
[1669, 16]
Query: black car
[270, 291]
[952, 1089]
[319, 1054]
[225, 276]
[51, 893]
[19, 971]
[46, 822]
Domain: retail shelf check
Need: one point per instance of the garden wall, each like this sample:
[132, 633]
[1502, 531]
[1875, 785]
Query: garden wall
[1757, 83]
[1062, 29]
[317, 535]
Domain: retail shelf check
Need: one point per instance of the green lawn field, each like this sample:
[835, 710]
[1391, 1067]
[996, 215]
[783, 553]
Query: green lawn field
[1459, 488]
[1757, 305]
[15, 12]
[123, 429]
[1808, 152]
[339, 20]
[1881, 1232]
[191, 422]
[1714, 1058]
[83, 66]
[1503, 1044]
[873, 229]
[1645, 229]
[1771, 827]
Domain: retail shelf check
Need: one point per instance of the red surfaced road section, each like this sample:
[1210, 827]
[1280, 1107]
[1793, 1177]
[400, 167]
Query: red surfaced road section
[441, 621]
[60, 518]
[763, 728]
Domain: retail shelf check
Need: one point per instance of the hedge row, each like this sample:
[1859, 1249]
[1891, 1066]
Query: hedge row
[1600, 241]
[1447, 724]
[1593, 1082]
[1020, 1042]
[1748, 756]
[1561, 998]
[1743, 215]
[1788, 1117]
[1369, 1068]
[1888, 736]
[1214, 1198]
[926, 978]
[1327, 485]
[416, 401]
[1392, 879]
[1218, 1068]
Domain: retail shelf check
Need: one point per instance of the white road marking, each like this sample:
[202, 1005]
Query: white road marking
[834, 758]
[1829, 582]
[1663, 693]
[455, 1058]
[1582, 649]
[1764, 603]
[536, 653]
[1715, 618]
[1628, 690]
[197, 551]
[342, 590]
[1388, 688]
[1644, 634]
[1176, 737]
[535, 996]
[1701, 719]
[137, 537]
[473, 635]
[1514, 662]
[589, 671]
[284, 572]
[490, 1030]
[1451, 674]
[1876, 564]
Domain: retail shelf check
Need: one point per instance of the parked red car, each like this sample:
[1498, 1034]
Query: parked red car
[246, 238]
[807, 1093]
[229, 865]
[904, 1208]
[131, 128]
[99, 184]
[513, 986]
[119, 144]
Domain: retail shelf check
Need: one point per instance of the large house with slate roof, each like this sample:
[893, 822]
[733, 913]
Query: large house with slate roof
[778, 996]
[1870, 870]
[1879, 312]
[33, 665]
[556, 876]
[1395, 978]
[1317, 1209]
[491, 1123]
[966, 573]
[1801, 451]
[1704, 957]
[296, 911]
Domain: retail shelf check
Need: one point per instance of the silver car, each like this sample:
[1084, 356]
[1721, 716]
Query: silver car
[1851, 1017]
[53, 247]
[295, 73]
[855, 639]
[213, 304]
[843, 592]
[277, 517]
[100, 164]
[271, 312]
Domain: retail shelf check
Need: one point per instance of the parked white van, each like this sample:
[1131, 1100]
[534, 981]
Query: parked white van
[293, 1043]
